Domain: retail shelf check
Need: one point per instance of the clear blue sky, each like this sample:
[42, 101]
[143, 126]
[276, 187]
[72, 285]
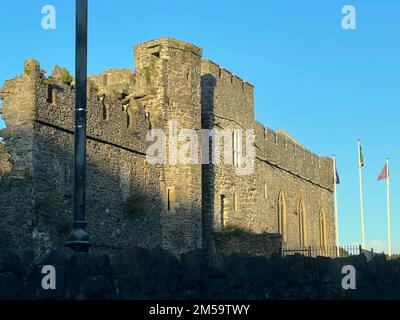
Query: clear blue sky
[325, 85]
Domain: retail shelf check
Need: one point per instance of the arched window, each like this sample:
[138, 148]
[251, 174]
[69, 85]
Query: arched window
[282, 227]
[302, 223]
[322, 228]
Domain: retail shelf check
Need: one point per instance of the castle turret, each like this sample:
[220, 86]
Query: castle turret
[16, 187]
[167, 82]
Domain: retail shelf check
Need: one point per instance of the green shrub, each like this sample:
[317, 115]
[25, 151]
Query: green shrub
[66, 78]
[232, 231]
[135, 204]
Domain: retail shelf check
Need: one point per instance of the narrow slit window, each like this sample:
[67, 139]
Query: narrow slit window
[105, 109]
[222, 212]
[128, 120]
[169, 200]
[235, 202]
[265, 191]
[51, 94]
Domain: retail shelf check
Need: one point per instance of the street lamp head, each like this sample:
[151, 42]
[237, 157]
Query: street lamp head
[79, 240]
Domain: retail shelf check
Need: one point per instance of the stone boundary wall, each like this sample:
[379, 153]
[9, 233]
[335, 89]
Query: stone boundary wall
[144, 274]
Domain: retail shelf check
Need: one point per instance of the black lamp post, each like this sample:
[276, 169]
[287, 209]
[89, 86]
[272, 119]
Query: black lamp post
[79, 239]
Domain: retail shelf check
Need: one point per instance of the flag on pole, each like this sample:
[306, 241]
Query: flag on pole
[361, 157]
[384, 174]
[335, 182]
[337, 179]
[360, 165]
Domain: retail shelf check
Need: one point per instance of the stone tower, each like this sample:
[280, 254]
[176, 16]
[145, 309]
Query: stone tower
[167, 75]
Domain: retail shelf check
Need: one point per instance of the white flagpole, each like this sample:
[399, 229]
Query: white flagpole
[336, 207]
[388, 205]
[361, 195]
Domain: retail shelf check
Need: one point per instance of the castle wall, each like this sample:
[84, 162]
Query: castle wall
[123, 196]
[227, 104]
[251, 201]
[278, 150]
[234, 98]
[130, 201]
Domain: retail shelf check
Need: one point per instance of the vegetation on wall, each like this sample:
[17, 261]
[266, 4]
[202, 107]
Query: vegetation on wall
[232, 231]
[45, 204]
[135, 204]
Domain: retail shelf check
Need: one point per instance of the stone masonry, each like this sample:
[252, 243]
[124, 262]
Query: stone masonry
[131, 202]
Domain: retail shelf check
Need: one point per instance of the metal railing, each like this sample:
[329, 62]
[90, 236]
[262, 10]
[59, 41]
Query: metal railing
[328, 251]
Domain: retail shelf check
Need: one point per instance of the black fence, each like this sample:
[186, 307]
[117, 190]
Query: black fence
[329, 251]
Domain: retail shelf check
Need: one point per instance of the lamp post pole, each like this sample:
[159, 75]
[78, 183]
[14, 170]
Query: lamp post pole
[79, 239]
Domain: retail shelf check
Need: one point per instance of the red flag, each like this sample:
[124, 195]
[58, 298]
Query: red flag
[384, 173]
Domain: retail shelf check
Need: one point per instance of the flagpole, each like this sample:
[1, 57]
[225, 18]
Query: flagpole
[361, 195]
[388, 205]
[336, 207]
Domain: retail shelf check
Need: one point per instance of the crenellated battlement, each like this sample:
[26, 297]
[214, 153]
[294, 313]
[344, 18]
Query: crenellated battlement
[157, 45]
[121, 80]
[112, 120]
[227, 95]
[287, 154]
[227, 77]
[108, 118]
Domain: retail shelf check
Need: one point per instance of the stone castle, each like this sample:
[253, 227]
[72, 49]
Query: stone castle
[130, 202]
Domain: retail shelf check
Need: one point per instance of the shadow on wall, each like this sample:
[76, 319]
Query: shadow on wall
[36, 204]
[125, 200]
[208, 83]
